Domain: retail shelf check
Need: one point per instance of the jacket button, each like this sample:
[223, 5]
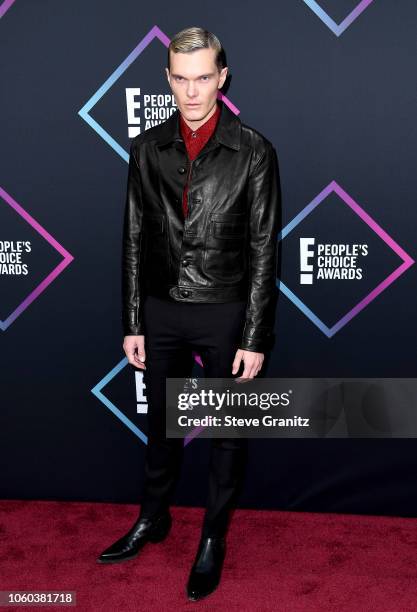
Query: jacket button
[181, 169]
[185, 293]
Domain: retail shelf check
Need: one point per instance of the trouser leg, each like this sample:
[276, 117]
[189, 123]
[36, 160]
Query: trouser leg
[228, 460]
[219, 339]
[166, 356]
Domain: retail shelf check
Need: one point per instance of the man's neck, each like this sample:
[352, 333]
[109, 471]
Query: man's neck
[194, 125]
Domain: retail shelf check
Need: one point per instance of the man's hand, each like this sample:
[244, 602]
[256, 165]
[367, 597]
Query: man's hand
[134, 347]
[252, 363]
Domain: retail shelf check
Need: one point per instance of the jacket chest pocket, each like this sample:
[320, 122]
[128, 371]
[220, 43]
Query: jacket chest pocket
[227, 230]
[224, 257]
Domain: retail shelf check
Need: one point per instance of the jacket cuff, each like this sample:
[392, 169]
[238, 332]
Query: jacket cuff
[131, 325]
[259, 339]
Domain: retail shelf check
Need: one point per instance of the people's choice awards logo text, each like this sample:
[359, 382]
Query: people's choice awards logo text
[330, 261]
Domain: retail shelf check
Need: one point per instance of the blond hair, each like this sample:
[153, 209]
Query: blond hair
[193, 38]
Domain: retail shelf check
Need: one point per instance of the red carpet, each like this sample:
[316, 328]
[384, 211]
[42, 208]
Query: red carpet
[280, 561]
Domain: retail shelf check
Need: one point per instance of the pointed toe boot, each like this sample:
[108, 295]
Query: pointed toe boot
[207, 567]
[144, 530]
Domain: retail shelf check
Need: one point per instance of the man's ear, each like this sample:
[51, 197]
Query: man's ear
[167, 73]
[223, 75]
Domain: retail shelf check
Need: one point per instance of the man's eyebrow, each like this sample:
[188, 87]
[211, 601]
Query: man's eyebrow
[173, 74]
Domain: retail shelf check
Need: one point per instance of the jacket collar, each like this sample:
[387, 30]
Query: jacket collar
[227, 131]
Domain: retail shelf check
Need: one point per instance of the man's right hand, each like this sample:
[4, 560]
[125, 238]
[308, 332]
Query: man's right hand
[134, 347]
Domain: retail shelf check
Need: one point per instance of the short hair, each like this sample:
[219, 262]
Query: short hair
[193, 38]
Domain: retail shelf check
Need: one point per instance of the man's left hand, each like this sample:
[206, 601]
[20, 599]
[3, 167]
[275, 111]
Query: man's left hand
[252, 363]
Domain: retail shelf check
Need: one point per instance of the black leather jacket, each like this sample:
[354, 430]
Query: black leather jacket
[227, 248]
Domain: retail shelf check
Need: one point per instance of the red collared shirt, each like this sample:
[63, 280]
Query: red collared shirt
[194, 142]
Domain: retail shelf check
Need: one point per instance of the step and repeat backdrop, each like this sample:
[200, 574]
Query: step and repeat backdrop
[332, 85]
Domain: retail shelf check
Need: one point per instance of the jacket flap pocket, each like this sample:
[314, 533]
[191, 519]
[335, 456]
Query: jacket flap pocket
[229, 225]
[227, 229]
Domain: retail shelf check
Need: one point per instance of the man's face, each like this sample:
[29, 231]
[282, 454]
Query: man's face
[195, 81]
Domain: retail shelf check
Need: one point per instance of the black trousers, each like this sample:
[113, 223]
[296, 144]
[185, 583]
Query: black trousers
[172, 331]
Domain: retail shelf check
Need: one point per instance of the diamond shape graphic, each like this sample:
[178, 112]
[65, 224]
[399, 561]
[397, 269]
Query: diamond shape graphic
[407, 261]
[98, 392]
[4, 7]
[337, 29]
[67, 258]
[155, 32]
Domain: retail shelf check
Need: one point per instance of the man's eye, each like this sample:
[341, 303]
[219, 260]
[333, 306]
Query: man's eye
[178, 78]
[204, 78]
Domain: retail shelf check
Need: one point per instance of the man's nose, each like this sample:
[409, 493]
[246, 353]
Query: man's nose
[191, 90]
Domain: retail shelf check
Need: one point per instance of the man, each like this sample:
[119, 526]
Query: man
[198, 273]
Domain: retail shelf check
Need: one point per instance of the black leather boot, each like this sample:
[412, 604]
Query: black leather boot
[144, 530]
[206, 570]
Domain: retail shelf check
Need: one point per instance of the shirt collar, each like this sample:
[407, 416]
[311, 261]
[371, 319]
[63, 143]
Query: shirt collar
[228, 129]
[205, 128]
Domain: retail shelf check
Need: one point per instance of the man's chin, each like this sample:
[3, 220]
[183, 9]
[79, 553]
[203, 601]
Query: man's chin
[195, 114]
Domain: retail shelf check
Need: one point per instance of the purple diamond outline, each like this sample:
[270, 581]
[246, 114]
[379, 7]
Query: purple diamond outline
[67, 258]
[333, 186]
[337, 29]
[5, 7]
